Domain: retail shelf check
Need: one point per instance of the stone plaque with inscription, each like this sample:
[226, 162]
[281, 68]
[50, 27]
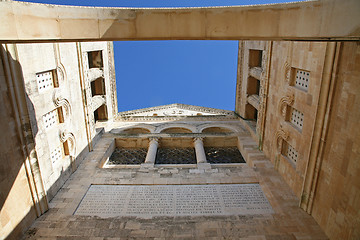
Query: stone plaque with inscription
[174, 200]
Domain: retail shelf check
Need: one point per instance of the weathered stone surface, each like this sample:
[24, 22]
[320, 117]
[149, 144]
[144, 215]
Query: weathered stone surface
[302, 20]
[174, 200]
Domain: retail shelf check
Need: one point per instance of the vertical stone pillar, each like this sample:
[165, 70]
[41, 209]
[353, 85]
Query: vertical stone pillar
[199, 150]
[151, 153]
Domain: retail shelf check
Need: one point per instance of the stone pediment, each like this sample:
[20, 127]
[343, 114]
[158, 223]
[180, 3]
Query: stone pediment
[175, 111]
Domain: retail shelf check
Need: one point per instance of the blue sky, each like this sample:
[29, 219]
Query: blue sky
[152, 73]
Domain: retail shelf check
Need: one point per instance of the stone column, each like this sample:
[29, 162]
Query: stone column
[199, 149]
[151, 153]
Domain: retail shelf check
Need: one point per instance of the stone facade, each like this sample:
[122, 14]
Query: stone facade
[297, 126]
[59, 124]
[296, 101]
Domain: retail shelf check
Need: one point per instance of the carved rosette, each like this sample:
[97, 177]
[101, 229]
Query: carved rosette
[287, 72]
[154, 140]
[61, 73]
[280, 136]
[198, 139]
[66, 136]
[284, 102]
[64, 103]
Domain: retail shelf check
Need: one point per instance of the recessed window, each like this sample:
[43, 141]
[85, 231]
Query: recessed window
[128, 156]
[251, 112]
[46, 80]
[255, 58]
[217, 155]
[253, 86]
[290, 152]
[95, 59]
[296, 118]
[56, 155]
[175, 156]
[101, 113]
[300, 79]
[53, 117]
[98, 87]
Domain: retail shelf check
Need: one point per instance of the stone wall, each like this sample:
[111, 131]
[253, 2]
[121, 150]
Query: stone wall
[63, 60]
[283, 96]
[16, 200]
[337, 197]
[46, 124]
[317, 154]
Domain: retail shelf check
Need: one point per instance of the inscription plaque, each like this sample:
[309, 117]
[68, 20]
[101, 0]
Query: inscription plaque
[174, 200]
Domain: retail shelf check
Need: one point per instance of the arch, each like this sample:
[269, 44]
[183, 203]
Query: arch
[136, 130]
[147, 128]
[219, 128]
[176, 130]
[181, 127]
[216, 130]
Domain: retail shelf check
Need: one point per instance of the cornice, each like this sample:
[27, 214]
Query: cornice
[218, 112]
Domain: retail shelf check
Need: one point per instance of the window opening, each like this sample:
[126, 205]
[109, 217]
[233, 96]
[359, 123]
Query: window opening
[56, 155]
[250, 112]
[128, 156]
[98, 87]
[51, 118]
[95, 59]
[253, 86]
[46, 80]
[296, 118]
[216, 155]
[255, 58]
[290, 152]
[101, 113]
[175, 156]
[300, 79]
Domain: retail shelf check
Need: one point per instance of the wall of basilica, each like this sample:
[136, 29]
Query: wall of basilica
[308, 101]
[52, 99]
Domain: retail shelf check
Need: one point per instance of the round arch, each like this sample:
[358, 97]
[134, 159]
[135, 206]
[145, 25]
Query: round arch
[218, 128]
[181, 128]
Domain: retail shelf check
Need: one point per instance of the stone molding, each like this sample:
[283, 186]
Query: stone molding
[97, 101]
[173, 118]
[254, 100]
[287, 72]
[198, 139]
[63, 102]
[285, 101]
[94, 73]
[69, 136]
[178, 105]
[280, 136]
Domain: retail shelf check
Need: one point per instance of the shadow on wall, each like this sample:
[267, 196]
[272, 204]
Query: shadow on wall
[22, 194]
[16, 147]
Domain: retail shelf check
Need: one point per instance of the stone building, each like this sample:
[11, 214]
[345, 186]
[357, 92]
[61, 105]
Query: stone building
[292, 141]
[58, 91]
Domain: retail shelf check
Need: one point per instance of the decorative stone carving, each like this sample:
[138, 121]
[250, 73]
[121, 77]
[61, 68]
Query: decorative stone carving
[287, 72]
[154, 139]
[97, 101]
[173, 112]
[280, 136]
[63, 102]
[66, 136]
[61, 73]
[256, 72]
[198, 139]
[284, 102]
[254, 100]
[95, 73]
